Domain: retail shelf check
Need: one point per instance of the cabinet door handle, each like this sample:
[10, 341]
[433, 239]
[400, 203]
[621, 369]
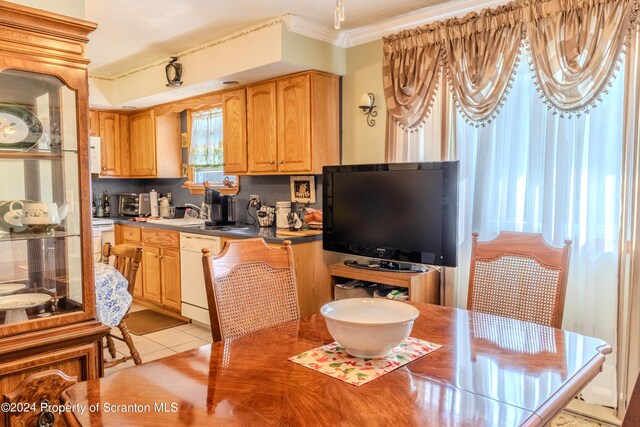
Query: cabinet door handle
[272, 161]
[104, 168]
[281, 162]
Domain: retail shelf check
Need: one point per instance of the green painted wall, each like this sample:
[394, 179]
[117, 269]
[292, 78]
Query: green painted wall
[360, 142]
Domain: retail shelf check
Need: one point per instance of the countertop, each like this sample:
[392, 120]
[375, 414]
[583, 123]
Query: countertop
[239, 231]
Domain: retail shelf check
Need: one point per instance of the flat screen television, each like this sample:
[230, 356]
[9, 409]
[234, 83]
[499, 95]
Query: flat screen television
[404, 212]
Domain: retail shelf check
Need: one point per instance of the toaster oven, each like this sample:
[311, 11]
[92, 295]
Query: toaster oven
[134, 204]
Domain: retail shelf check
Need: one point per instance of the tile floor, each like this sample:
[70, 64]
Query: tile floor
[159, 344]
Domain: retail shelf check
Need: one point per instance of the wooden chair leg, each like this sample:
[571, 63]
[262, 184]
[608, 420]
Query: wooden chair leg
[129, 341]
[111, 347]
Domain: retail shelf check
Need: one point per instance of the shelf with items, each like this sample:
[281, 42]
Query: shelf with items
[55, 234]
[422, 286]
[46, 268]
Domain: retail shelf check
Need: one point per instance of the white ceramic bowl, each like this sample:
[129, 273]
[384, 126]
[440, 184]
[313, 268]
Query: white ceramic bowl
[369, 327]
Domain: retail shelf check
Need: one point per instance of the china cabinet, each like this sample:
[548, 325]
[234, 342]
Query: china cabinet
[49, 338]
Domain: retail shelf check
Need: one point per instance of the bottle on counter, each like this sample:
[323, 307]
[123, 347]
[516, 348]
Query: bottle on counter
[100, 210]
[93, 207]
[107, 208]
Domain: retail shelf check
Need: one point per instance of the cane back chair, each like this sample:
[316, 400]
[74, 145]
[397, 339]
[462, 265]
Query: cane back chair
[250, 286]
[518, 275]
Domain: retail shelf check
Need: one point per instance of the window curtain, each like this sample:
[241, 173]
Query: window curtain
[629, 268]
[558, 172]
[573, 44]
[560, 177]
[205, 149]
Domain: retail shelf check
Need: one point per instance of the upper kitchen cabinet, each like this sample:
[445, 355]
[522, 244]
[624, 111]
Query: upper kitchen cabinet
[110, 144]
[234, 122]
[293, 124]
[140, 144]
[94, 123]
[262, 138]
[49, 338]
[155, 145]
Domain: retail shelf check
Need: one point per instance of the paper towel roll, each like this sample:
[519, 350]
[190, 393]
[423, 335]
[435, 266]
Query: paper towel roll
[153, 201]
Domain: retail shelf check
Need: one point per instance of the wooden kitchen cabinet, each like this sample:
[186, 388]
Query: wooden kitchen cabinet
[161, 267]
[54, 340]
[234, 141]
[262, 138]
[170, 278]
[131, 236]
[293, 124]
[109, 143]
[151, 266]
[94, 123]
[158, 278]
[142, 144]
[113, 130]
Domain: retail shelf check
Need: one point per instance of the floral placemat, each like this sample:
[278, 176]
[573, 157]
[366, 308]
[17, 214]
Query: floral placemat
[332, 360]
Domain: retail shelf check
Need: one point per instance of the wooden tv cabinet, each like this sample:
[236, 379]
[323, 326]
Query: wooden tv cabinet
[423, 287]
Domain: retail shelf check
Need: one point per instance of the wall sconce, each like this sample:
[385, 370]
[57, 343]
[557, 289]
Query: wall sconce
[367, 105]
[173, 70]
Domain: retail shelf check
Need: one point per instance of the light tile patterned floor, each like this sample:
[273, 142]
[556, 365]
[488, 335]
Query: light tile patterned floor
[159, 344]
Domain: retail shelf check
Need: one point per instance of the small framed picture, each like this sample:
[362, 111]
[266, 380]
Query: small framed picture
[303, 189]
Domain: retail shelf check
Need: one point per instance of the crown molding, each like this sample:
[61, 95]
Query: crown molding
[446, 10]
[307, 28]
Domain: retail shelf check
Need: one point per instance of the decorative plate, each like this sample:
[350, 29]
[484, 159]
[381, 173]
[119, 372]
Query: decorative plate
[9, 288]
[12, 302]
[19, 127]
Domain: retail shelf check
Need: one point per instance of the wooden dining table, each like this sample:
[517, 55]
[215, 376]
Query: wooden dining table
[490, 371]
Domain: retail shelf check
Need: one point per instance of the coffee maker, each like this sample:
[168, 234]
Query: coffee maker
[221, 208]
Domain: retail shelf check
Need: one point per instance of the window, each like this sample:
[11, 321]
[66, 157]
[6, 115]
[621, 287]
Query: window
[206, 156]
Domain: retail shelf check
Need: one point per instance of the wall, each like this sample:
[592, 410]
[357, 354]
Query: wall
[360, 142]
[271, 189]
[73, 8]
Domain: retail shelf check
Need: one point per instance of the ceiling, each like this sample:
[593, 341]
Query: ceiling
[132, 34]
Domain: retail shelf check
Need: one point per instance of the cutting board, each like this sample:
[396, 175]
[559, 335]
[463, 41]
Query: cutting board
[298, 233]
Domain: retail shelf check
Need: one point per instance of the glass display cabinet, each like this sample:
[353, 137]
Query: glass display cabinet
[49, 338]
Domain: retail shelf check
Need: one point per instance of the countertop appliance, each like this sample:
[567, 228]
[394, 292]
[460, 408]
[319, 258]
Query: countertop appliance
[134, 204]
[194, 293]
[103, 231]
[222, 207]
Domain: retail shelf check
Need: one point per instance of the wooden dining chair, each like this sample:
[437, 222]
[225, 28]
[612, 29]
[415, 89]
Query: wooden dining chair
[250, 286]
[518, 275]
[127, 260]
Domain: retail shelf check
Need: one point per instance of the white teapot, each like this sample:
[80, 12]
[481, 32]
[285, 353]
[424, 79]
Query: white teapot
[39, 215]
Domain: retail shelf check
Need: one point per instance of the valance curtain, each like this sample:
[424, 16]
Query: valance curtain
[205, 149]
[574, 47]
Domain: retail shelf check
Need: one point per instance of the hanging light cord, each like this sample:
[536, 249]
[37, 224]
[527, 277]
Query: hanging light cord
[338, 16]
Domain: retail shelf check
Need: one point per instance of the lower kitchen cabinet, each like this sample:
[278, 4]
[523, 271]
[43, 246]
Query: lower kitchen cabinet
[170, 278]
[151, 265]
[158, 280]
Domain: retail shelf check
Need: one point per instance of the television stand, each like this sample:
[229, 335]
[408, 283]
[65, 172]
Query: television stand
[375, 265]
[422, 286]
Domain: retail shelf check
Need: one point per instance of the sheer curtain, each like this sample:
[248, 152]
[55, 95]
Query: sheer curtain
[205, 149]
[534, 171]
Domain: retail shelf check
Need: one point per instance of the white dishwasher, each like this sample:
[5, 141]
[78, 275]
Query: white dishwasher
[194, 294]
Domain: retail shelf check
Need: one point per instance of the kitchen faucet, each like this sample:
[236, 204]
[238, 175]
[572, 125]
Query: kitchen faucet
[204, 212]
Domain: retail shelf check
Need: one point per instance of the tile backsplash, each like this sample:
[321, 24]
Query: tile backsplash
[271, 189]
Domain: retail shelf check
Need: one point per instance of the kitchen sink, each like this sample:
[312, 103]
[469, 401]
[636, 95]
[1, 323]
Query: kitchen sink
[180, 222]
